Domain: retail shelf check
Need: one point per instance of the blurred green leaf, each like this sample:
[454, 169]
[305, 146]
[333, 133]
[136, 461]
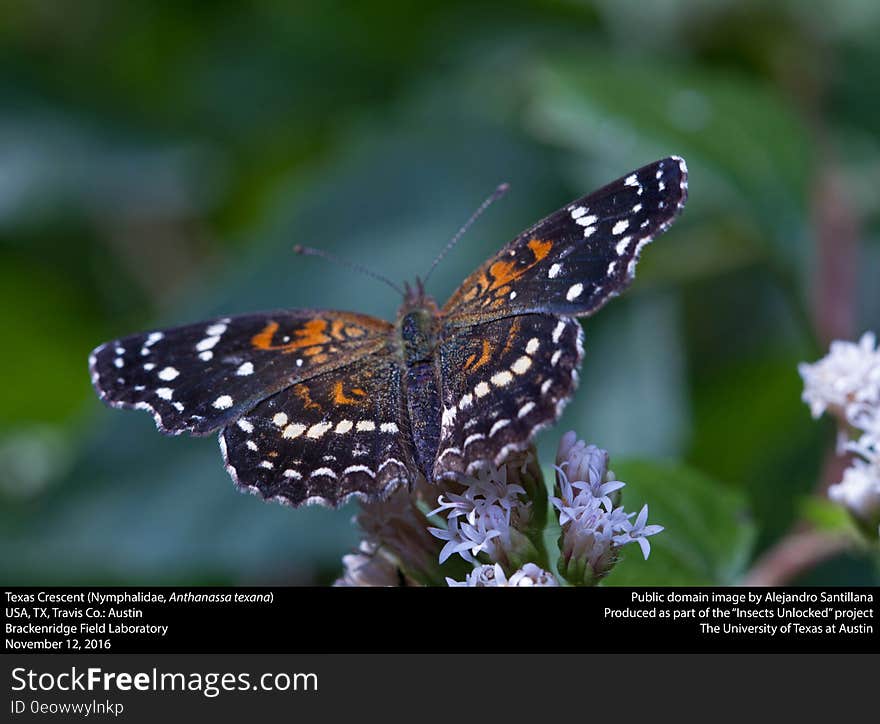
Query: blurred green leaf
[825, 515]
[708, 535]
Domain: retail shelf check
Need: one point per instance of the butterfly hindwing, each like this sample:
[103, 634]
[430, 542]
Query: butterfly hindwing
[575, 260]
[501, 382]
[323, 440]
[200, 377]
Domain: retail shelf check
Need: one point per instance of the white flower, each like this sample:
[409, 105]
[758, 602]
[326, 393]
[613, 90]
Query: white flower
[484, 514]
[859, 491]
[465, 539]
[493, 575]
[532, 575]
[368, 567]
[867, 421]
[847, 383]
[638, 532]
[845, 380]
[593, 527]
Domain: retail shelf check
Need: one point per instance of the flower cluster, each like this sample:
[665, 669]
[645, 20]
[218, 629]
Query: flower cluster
[488, 513]
[594, 527]
[487, 529]
[846, 383]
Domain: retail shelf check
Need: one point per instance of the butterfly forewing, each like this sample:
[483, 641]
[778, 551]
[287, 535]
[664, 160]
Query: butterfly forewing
[200, 377]
[575, 260]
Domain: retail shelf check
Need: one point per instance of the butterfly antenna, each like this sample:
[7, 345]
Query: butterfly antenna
[309, 251]
[497, 194]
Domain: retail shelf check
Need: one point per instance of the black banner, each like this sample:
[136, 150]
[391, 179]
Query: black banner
[335, 620]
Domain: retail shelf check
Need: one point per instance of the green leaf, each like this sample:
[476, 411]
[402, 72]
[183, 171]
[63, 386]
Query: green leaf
[708, 534]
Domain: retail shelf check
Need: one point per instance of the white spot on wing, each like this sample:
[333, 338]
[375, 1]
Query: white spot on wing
[525, 409]
[318, 430]
[574, 291]
[522, 365]
[165, 393]
[207, 343]
[358, 469]
[293, 431]
[473, 438]
[245, 369]
[481, 390]
[532, 345]
[366, 426]
[168, 374]
[215, 330]
[343, 427]
[246, 425]
[388, 427]
[620, 227]
[557, 332]
[448, 417]
[224, 402]
[498, 426]
[554, 271]
[280, 419]
[502, 379]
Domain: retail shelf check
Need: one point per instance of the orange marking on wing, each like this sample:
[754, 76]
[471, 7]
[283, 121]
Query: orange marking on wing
[472, 293]
[340, 398]
[485, 356]
[512, 335]
[310, 334]
[336, 329]
[540, 249]
[506, 271]
[302, 391]
[354, 331]
[263, 340]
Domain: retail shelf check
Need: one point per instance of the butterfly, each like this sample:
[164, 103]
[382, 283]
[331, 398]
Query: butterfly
[318, 406]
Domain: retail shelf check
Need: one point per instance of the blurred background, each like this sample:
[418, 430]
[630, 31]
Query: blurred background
[158, 160]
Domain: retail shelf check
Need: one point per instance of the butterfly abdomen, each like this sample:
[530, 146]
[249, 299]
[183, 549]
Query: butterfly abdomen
[423, 408]
[418, 337]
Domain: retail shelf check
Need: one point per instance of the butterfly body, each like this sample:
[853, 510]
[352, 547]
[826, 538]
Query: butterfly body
[321, 405]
